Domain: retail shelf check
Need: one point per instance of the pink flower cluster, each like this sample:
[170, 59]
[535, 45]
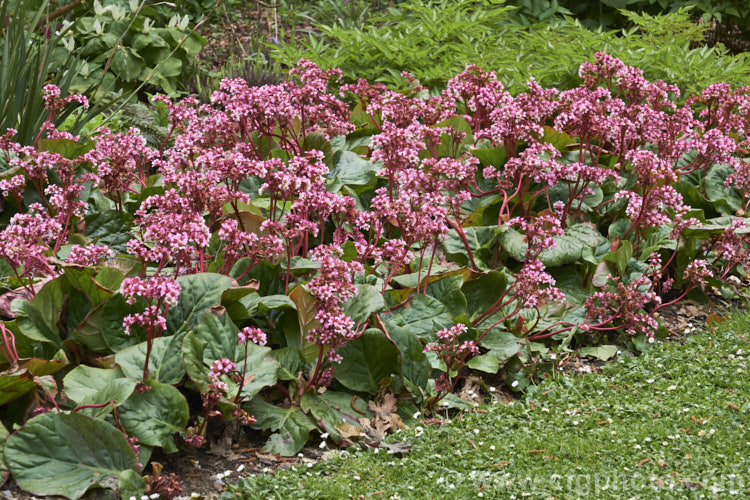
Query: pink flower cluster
[332, 287]
[88, 255]
[252, 334]
[452, 352]
[623, 307]
[156, 289]
[159, 293]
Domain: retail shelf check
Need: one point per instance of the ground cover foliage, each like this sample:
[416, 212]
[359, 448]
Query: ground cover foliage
[668, 424]
[302, 258]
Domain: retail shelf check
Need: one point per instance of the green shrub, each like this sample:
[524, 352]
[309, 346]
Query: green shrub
[30, 58]
[609, 13]
[435, 38]
[126, 44]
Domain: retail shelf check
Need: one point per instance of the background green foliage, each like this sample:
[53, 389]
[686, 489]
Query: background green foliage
[129, 43]
[435, 38]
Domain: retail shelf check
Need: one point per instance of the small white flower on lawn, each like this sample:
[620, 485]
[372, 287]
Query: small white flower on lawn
[416, 415]
[418, 431]
[154, 496]
[651, 340]
[194, 495]
[492, 389]
[492, 447]
[650, 381]
[575, 422]
[357, 478]
[671, 387]
[476, 431]
[324, 436]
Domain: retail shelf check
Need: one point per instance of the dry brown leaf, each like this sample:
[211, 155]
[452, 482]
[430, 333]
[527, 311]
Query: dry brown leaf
[347, 430]
[385, 416]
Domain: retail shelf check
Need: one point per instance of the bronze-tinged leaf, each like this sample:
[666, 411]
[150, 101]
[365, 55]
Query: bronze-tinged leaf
[714, 319]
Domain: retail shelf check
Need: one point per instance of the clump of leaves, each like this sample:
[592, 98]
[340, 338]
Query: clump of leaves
[300, 265]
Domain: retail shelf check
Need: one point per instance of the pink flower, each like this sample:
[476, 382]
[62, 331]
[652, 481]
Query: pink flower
[89, 255]
[220, 367]
[253, 334]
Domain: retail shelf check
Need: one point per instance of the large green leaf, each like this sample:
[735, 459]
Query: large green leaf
[602, 352]
[200, 292]
[306, 311]
[367, 301]
[621, 256]
[726, 200]
[448, 291]
[501, 343]
[254, 304]
[15, 384]
[155, 415]
[569, 247]
[65, 454]
[38, 319]
[89, 331]
[83, 280]
[165, 363]
[570, 282]
[216, 338]
[112, 315]
[67, 148]
[293, 425]
[131, 484]
[366, 361]
[487, 363]
[415, 366]
[481, 240]
[86, 381]
[332, 409]
[127, 64]
[353, 170]
[110, 227]
[483, 291]
[422, 315]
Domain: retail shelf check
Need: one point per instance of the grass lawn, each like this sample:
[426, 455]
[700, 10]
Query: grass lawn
[672, 423]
